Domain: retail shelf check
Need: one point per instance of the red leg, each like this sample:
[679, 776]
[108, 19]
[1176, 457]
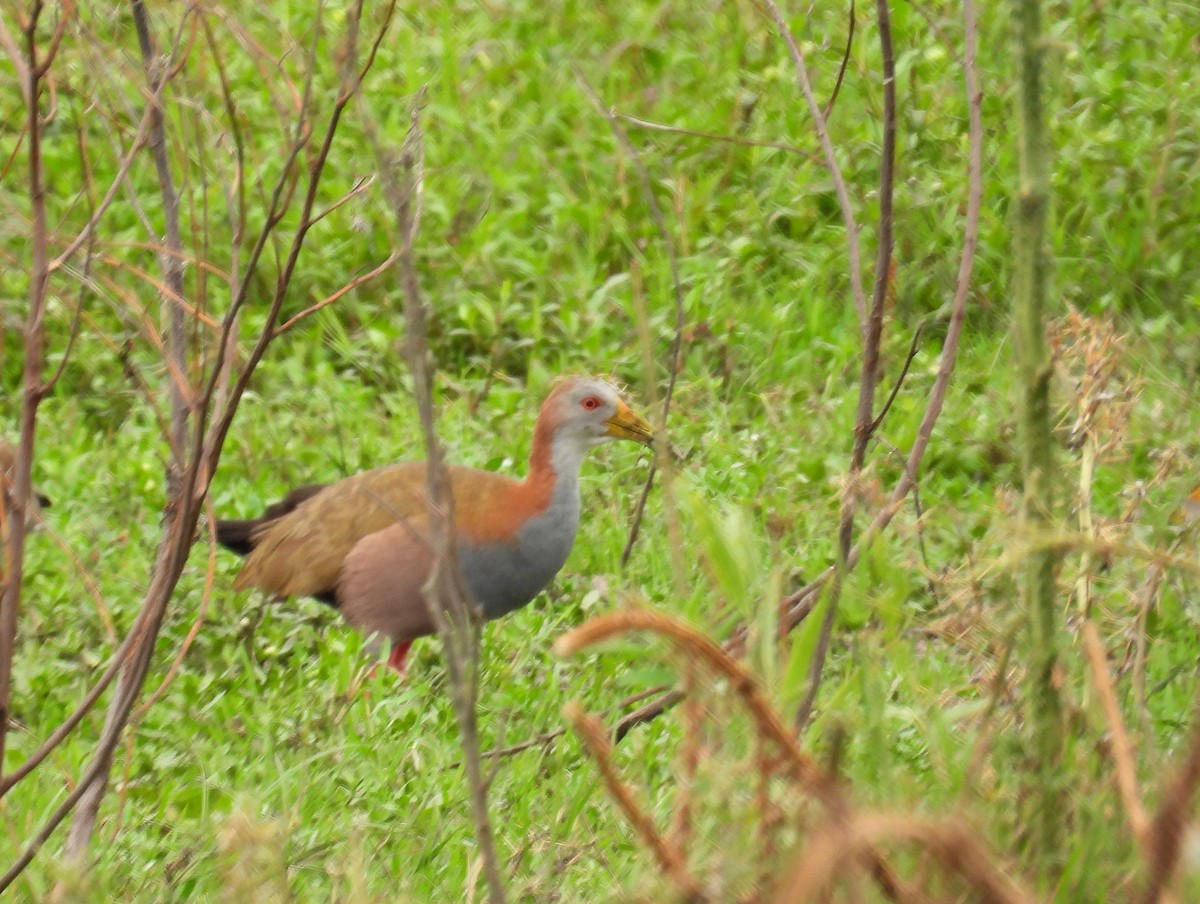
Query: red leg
[399, 655]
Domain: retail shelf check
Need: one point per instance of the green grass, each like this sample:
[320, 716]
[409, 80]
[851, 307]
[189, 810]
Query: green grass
[532, 219]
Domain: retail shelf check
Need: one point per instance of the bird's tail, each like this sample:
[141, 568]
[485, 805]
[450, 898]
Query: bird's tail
[240, 536]
[237, 536]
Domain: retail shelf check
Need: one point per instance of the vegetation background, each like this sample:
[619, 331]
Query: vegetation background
[272, 766]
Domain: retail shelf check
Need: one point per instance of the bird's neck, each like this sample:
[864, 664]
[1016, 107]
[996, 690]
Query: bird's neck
[554, 463]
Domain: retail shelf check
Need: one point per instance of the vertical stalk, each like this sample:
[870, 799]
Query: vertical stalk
[34, 350]
[1037, 577]
[171, 258]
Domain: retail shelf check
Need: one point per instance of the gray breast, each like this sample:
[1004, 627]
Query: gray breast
[506, 576]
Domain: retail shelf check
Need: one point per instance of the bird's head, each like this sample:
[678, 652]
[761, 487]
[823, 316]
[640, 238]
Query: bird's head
[582, 412]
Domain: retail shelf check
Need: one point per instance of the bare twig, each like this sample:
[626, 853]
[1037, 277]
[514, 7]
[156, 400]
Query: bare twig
[865, 422]
[15, 56]
[699, 647]
[21, 490]
[446, 596]
[661, 434]
[325, 302]
[201, 461]
[1122, 750]
[176, 535]
[171, 262]
[712, 136]
[798, 605]
[837, 85]
[835, 171]
[896, 387]
[702, 651]
[950, 843]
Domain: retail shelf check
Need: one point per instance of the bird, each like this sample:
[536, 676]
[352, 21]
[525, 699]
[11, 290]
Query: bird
[361, 544]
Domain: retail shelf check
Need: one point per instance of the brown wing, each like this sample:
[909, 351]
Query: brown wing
[301, 553]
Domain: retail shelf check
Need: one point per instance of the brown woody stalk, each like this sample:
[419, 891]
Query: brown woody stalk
[700, 649]
[950, 843]
[808, 774]
[1168, 831]
[831, 164]
[668, 853]
[171, 259]
[183, 510]
[37, 65]
[1122, 749]
[798, 605]
[865, 422]
[450, 606]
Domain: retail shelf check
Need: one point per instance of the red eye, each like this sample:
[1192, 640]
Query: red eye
[591, 403]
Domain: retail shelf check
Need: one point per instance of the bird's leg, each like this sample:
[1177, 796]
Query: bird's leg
[399, 655]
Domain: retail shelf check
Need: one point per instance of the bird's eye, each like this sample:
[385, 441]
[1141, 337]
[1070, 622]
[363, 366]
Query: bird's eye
[591, 403]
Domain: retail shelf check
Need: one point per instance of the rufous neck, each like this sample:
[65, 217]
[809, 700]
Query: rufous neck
[555, 455]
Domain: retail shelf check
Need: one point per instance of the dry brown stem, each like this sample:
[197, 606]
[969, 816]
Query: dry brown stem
[803, 768]
[955, 847]
[668, 853]
[1122, 749]
[865, 422]
[699, 649]
[1169, 828]
[447, 598]
[712, 136]
[798, 605]
[213, 414]
[859, 295]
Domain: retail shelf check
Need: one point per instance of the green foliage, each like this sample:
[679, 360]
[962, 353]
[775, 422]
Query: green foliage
[272, 751]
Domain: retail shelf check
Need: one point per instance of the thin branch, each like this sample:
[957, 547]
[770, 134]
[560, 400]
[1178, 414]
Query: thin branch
[831, 164]
[837, 85]
[896, 387]
[712, 136]
[950, 843]
[865, 421]
[446, 596]
[21, 491]
[157, 72]
[68, 724]
[661, 435]
[201, 463]
[15, 56]
[701, 650]
[359, 187]
[1122, 749]
[325, 302]
[1169, 829]
[798, 605]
